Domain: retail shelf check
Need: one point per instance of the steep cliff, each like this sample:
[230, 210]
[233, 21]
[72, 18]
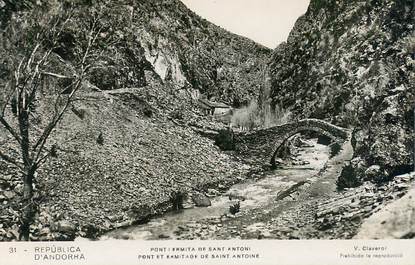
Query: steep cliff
[353, 63]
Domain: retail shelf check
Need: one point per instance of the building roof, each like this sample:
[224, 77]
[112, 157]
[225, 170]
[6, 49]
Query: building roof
[213, 104]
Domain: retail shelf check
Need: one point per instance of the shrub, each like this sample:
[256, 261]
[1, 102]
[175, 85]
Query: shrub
[348, 178]
[148, 111]
[100, 139]
[409, 45]
[246, 117]
[260, 114]
[335, 149]
[177, 114]
[235, 208]
[79, 112]
[324, 140]
[225, 140]
[177, 199]
[53, 151]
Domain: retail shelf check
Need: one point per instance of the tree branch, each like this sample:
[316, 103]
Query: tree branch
[51, 126]
[10, 160]
[8, 98]
[36, 77]
[10, 129]
[55, 75]
[42, 160]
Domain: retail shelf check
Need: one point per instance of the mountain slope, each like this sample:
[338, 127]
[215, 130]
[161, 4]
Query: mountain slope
[120, 157]
[353, 63]
[166, 38]
[162, 37]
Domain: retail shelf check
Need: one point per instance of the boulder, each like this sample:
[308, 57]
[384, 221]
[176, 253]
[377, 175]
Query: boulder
[188, 203]
[372, 171]
[113, 218]
[163, 236]
[213, 192]
[235, 196]
[19, 189]
[9, 194]
[44, 231]
[7, 177]
[375, 173]
[140, 211]
[395, 221]
[201, 200]
[64, 227]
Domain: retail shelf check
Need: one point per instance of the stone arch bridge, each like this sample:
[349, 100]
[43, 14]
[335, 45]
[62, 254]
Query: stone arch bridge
[265, 144]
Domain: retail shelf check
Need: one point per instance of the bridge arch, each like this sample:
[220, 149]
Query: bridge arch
[280, 143]
[323, 128]
[262, 145]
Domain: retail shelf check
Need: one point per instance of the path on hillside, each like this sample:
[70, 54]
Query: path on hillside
[271, 207]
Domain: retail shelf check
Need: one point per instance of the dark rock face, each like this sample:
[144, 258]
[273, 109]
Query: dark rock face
[165, 39]
[353, 63]
[146, 42]
[201, 200]
[191, 52]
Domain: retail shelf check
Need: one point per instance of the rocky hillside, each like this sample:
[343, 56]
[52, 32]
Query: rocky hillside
[120, 157]
[113, 166]
[165, 38]
[184, 49]
[353, 63]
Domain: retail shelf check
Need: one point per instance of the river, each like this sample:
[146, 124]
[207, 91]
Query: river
[262, 194]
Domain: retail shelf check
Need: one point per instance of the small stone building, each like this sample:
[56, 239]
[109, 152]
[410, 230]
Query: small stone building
[213, 108]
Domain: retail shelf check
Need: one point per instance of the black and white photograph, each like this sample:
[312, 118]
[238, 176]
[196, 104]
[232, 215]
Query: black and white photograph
[176, 120]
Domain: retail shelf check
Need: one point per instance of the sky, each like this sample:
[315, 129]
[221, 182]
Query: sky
[265, 21]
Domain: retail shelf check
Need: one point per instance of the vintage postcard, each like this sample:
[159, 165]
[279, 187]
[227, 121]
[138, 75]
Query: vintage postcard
[207, 132]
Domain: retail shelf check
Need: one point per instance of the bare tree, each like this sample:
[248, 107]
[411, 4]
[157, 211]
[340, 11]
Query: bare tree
[33, 69]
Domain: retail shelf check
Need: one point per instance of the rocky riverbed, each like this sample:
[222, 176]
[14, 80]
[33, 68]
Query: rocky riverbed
[297, 202]
[241, 211]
